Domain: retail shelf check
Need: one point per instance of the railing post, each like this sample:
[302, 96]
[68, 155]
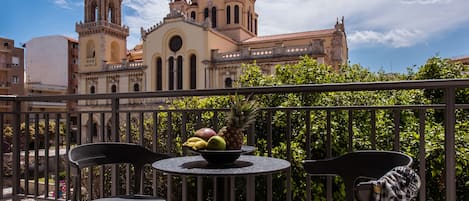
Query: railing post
[16, 148]
[450, 154]
[115, 138]
[115, 120]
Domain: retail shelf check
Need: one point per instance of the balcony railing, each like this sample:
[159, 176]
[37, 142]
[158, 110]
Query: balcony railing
[316, 49]
[38, 158]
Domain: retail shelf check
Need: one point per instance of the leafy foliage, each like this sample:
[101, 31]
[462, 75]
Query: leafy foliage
[289, 132]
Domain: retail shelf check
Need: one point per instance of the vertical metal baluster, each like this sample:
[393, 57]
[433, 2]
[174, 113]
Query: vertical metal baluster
[422, 160]
[328, 154]
[68, 132]
[184, 138]
[115, 130]
[77, 188]
[155, 149]
[16, 148]
[373, 129]
[89, 138]
[200, 189]
[57, 155]
[215, 120]
[102, 169]
[36, 155]
[141, 128]
[46, 156]
[170, 132]
[308, 152]
[232, 188]
[184, 188]
[170, 187]
[450, 152]
[26, 155]
[289, 155]
[102, 136]
[397, 130]
[350, 130]
[269, 153]
[128, 140]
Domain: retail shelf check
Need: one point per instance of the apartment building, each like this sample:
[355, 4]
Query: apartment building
[11, 72]
[51, 69]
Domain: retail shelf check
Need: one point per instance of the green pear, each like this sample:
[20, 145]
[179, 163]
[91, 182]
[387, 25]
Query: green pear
[216, 143]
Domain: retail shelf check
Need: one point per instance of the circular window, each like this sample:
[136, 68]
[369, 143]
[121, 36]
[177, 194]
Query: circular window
[175, 43]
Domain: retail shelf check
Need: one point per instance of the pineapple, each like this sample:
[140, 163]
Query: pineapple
[242, 115]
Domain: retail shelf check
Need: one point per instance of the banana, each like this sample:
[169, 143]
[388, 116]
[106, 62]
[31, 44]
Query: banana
[194, 139]
[200, 145]
[195, 143]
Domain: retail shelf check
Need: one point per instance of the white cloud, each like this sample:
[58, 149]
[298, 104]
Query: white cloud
[395, 38]
[425, 1]
[142, 13]
[62, 3]
[68, 4]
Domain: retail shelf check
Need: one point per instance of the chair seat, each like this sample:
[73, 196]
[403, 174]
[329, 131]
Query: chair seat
[131, 197]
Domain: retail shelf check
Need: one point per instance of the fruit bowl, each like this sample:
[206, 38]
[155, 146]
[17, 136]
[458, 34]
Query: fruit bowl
[224, 156]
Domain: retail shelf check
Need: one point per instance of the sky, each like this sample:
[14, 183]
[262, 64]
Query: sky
[382, 35]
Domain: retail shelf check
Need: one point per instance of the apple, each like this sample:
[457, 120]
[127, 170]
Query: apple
[205, 133]
[216, 143]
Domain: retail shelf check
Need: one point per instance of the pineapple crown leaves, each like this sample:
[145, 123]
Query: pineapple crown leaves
[243, 112]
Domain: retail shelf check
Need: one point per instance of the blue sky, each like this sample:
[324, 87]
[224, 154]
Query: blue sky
[388, 35]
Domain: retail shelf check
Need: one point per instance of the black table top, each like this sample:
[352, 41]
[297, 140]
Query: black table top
[245, 165]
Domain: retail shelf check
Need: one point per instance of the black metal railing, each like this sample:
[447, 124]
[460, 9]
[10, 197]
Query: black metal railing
[40, 152]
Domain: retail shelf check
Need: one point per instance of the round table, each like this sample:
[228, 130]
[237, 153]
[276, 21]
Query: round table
[246, 165]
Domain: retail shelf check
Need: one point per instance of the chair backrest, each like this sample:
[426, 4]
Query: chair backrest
[353, 165]
[94, 154]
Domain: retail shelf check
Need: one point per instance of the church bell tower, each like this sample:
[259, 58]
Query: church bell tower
[102, 37]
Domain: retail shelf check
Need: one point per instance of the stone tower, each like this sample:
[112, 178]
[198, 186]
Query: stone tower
[235, 19]
[102, 37]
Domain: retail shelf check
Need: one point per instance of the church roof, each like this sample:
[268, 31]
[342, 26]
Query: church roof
[290, 36]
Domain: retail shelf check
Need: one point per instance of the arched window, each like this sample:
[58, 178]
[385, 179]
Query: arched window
[136, 87]
[115, 52]
[93, 12]
[171, 73]
[110, 13]
[179, 72]
[92, 90]
[228, 82]
[236, 14]
[249, 20]
[113, 88]
[193, 71]
[252, 23]
[90, 53]
[228, 14]
[214, 17]
[193, 15]
[159, 74]
[205, 13]
[255, 26]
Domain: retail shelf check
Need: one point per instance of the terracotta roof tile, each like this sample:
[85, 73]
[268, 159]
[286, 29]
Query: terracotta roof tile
[289, 36]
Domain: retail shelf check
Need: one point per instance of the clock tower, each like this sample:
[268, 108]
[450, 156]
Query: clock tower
[102, 37]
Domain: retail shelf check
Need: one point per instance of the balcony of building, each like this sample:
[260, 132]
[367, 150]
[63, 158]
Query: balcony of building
[290, 132]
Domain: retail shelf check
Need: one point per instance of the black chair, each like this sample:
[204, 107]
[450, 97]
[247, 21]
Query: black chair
[94, 154]
[369, 164]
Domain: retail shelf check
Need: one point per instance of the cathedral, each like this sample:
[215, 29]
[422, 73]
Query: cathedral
[199, 44]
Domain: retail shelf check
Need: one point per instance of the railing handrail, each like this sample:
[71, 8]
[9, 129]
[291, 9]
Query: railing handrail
[308, 88]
